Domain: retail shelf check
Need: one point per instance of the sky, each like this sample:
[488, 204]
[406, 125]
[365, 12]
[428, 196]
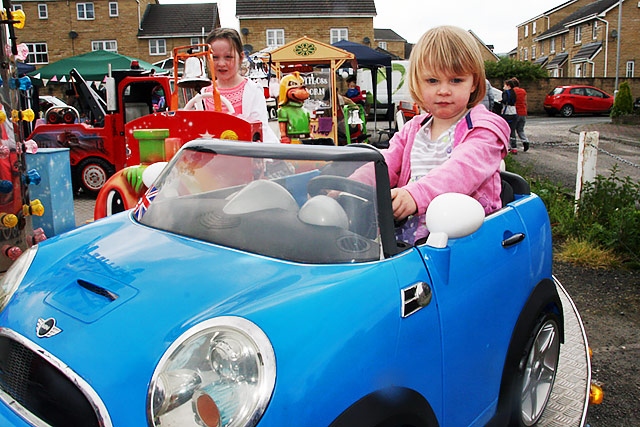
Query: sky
[493, 21]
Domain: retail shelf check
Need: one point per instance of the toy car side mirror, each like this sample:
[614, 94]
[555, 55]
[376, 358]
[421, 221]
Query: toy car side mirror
[151, 173]
[452, 215]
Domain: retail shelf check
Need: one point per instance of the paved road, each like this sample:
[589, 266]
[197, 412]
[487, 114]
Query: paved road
[554, 149]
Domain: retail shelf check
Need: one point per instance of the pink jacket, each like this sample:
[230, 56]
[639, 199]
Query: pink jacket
[481, 141]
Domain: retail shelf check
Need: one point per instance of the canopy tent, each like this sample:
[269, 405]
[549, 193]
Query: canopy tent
[372, 59]
[24, 68]
[92, 66]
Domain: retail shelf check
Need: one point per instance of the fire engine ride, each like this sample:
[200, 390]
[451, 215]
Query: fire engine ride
[156, 137]
[98, 146]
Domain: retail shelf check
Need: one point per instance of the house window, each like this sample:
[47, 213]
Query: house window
[113, 9]
[578, 69]
[577, 33]
[43, 13]
[631, 65]
[194, 41]
[85, 11]
[533, 27]
[16, 7]
[541, 48]
[110, 45]
[552, 46]
[275, 38]
[595, 30]
[533, 52]
[526, 31]
[526, 54]
[382, 45]
[563, 42]
[38, 53]
[338, 34]
[157, 47]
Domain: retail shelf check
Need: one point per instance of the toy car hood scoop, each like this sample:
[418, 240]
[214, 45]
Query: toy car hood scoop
[88, 299]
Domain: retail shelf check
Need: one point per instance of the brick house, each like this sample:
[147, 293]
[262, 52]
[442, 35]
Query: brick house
[485, 50]
[277, 22]
[579, 38]
[144, 29]
[390, 42]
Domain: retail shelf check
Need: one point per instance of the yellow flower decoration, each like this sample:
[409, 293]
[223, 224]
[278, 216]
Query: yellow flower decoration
[305, 49]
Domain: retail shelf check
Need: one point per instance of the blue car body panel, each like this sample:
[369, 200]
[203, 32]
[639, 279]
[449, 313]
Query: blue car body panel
[122, 293]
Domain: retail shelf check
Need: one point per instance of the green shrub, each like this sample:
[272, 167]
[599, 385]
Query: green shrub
[608, 214]
[505, 68]
[623, 104]
[606, 218]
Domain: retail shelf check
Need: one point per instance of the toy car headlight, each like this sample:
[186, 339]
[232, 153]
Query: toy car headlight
[218, 373]
[14, 276]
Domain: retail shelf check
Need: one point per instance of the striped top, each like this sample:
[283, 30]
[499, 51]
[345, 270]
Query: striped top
[427, 154]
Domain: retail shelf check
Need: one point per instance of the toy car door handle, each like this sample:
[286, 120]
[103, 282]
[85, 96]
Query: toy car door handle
[513, 240]
[415, 297]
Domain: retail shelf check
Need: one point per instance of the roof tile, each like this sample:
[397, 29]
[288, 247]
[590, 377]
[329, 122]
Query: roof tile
[253, 8]
[179, 19]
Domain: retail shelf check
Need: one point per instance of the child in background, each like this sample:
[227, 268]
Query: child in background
[246, 96]
[521, 111]
[457, 146]
[354, 93]
[509, 112]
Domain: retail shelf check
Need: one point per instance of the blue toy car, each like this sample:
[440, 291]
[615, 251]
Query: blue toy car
[261, 285]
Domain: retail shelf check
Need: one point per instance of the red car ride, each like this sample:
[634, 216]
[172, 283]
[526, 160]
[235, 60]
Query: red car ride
[577, 99]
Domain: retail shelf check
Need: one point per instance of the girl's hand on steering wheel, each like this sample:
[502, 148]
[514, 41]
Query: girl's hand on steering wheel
[402, 203]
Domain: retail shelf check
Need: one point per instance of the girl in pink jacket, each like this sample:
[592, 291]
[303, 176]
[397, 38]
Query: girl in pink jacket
[458, 145]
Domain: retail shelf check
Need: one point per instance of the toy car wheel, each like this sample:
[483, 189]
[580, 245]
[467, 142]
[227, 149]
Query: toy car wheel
[92, 173]
[53, 117]
[69, 117]
[537, 371]
[566, 110]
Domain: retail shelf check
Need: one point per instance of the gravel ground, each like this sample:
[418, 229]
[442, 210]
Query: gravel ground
[608, 300]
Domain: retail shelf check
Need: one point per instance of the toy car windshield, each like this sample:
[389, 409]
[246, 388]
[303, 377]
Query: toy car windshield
[293, 202]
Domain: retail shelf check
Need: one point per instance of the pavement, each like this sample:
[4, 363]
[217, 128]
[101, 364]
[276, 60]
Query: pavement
[627, 134]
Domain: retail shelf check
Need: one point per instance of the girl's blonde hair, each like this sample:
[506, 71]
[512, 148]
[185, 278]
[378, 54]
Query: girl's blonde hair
[447, 50]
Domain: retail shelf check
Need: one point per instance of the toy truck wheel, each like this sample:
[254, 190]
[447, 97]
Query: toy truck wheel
[92, 173]
[536, 372]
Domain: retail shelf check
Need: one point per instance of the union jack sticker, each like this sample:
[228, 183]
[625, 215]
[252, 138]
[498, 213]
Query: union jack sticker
[144, 202]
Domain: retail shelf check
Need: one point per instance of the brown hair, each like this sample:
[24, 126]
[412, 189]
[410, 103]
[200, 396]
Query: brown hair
[447, 50]
[228, 34]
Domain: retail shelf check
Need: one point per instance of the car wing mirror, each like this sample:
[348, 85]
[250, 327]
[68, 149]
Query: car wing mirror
[450, 216]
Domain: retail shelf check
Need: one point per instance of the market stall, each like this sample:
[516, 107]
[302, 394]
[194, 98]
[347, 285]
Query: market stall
[317, 63]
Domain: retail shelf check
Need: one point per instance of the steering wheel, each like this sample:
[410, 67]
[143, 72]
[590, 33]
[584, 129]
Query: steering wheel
[357, 199]
[195, 102]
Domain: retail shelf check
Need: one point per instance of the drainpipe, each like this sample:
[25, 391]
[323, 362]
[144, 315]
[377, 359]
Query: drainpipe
[606, 45]
[615, 92]
[139, 18]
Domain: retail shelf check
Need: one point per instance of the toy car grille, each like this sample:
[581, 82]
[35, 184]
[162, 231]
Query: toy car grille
[46, 395]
